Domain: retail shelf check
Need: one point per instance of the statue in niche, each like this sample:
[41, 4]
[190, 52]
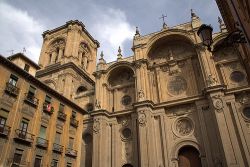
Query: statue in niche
[97, 104]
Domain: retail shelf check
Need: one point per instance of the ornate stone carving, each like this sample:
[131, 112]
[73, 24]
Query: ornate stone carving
[142, 118]
[97, 104]
[217, 102]
[141, 95]
[243, 98]
[211, 81]
[184, 126]
[96, 125]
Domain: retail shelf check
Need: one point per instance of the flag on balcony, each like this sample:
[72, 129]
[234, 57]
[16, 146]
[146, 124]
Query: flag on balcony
[48, 107]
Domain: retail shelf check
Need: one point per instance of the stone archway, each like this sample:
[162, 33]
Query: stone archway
[189, 156]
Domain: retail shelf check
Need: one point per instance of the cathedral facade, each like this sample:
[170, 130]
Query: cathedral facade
[172, 103]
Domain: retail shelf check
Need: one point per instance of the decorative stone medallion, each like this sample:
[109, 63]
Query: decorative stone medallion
[177, 85]
[183, 127]
[142, 118]
[217, 103]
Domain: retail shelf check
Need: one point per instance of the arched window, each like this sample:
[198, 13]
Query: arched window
[81, 89]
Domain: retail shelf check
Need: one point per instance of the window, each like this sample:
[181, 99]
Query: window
[54, 163]
[47, 99]
[17, 158]
[61, 107]
[13, 80]
[57, 138]
[71, 142]
[2, 123]
[42, 132]
[32, 91]
[26, 67]
[73, 114]
[38, 161]
[24, 125]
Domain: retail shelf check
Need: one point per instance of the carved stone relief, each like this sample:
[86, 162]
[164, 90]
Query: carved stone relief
[96, 125]
[218, 103]
[183, 126]
[142, 118]
[211, 80]
[141, 95]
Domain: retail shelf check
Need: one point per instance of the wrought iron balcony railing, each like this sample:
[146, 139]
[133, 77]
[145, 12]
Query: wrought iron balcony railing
[11, 89]
[47, 108]
[31, 99]
[24, 136]
[57, 148]
[71, 152]
[61, 115]
[4, 130]
[74, 122]
[41, 142]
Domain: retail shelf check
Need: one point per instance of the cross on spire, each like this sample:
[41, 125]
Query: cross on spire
[163, 18]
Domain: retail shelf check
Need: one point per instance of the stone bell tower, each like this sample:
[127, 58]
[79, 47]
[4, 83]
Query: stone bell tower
[69, 43]
[68, 57]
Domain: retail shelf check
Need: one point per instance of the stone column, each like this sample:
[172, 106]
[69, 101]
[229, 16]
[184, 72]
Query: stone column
[227, 133]
[146, 138]
[53, 58]
[85, 61]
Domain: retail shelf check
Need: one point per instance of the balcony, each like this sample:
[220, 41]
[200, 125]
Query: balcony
[71, 152]
[61, 115]
[47, 108]
[4, 131]
[57, 148]
[24, 137]
[74, 122]
[11, 89]
[42, 143]
[32, 100]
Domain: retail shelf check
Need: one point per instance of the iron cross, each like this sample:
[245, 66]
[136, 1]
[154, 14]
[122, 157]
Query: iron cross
[163, 18]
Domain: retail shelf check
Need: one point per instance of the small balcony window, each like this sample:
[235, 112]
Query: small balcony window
[11, 86]
[30, 97]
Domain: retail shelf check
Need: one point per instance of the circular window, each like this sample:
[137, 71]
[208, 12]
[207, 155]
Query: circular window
[246, 112]
[237, 76]
[126, 100]
[177, 85]
[87, 138]
[89, 107]
[126, 133]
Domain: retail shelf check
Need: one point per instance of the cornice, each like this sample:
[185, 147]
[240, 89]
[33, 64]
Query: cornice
[51, 69]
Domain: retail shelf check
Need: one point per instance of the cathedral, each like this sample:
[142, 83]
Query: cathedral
[173, 103]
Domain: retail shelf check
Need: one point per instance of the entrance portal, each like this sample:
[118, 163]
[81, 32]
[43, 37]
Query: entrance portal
[189, 157]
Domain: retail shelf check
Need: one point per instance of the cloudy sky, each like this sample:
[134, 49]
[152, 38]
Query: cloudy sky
[111, 22]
